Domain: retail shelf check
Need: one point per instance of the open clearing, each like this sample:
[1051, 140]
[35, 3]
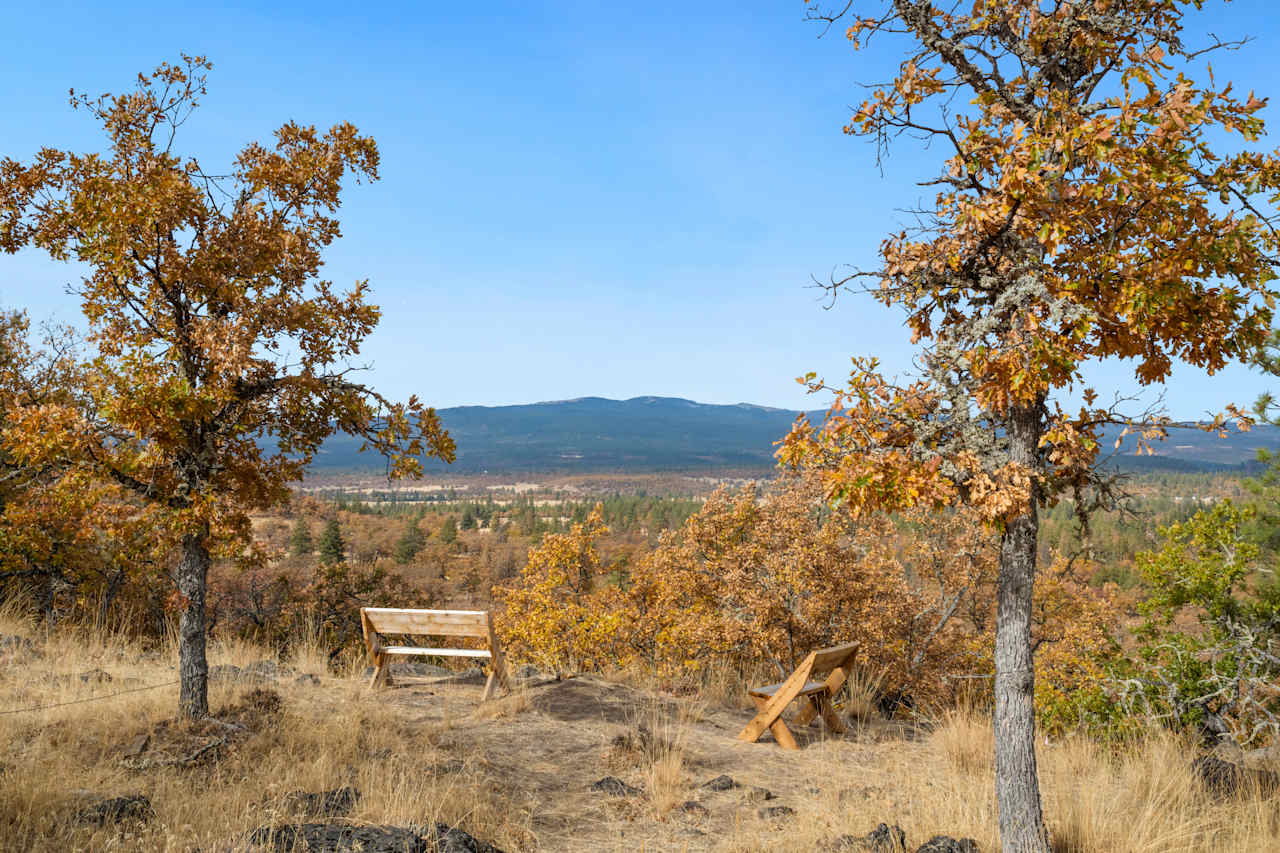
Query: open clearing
[521, 772]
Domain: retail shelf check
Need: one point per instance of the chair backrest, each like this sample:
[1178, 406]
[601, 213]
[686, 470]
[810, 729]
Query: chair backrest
[825, 660]
[451, 623]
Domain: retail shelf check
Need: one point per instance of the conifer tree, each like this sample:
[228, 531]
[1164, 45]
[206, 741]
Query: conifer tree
[332, 548]
[410, 543]
[301, 543]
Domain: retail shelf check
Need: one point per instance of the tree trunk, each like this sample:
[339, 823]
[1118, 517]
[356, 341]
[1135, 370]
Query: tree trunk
[108, 598]
[193, 669]
[1017, 787]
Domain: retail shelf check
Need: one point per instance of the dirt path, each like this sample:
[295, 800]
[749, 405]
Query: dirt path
[553, 739]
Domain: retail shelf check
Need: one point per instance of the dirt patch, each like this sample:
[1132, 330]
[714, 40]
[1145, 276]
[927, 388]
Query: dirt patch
[576, 700]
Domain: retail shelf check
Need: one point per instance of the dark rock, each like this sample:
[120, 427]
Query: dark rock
[774, 812]
[692, 807]
[947, 844]
[225, 672]
[720, 783]
[1226, 779]
[342, 838]
[450, 839]
[116, 810]
[419, 669]
[614, 787]
[95, 676]
[266, 668]
[813, 790]
[470, 675]
[335, 803]
[883, 839]
[889, 703]
[306, 678]
[262, 670]
[760, 795]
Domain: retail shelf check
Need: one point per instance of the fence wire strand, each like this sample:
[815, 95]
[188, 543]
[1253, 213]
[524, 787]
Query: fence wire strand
[101, 698]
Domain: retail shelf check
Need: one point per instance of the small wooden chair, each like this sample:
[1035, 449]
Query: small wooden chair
[772, 699]
[376, 621]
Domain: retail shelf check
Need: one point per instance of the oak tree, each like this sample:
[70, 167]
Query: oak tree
[222, 356]
[69, 541]
[1095, 202]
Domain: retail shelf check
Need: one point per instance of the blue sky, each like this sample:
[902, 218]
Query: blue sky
[576, 199]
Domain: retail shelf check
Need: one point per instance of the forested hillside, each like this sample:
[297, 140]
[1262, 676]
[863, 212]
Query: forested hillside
[653, 434]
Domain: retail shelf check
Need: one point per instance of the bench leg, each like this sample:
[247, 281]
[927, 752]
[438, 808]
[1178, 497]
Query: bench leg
[380, 674]
[781, 733]
[497, 676]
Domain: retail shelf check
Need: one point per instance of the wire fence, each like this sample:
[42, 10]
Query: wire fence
[100, 698]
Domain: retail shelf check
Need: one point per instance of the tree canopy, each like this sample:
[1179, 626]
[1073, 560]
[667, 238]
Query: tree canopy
[212, 329]
[1090, 206]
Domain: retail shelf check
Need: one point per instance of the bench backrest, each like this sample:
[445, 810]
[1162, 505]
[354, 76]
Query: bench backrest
[452, 623]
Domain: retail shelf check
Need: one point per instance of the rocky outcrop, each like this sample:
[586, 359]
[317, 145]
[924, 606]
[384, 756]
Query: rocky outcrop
[258, 671]
[1226, 779]
[614, 787]
[947, 844]
[892, 839]
[342, 838]
[111, 810]
[720, 783]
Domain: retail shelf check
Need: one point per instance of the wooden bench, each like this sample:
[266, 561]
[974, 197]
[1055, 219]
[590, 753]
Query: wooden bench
[376, 621]
[772, 699]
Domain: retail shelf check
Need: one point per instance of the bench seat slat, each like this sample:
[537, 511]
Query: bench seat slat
[456, 653]
[770, 689]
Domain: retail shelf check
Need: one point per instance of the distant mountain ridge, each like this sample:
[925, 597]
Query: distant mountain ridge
[656, 434]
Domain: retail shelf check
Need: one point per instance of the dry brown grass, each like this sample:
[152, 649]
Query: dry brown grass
[861, 690]
[652, 747]
[519, 776]
[323, 738]
[512, 703]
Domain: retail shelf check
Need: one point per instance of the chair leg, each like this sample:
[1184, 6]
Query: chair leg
[781, 734]
[806, 714]
[829, 715]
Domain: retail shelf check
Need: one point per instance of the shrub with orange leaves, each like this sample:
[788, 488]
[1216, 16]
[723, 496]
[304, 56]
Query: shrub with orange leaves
[558, 612]
[759, 577]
